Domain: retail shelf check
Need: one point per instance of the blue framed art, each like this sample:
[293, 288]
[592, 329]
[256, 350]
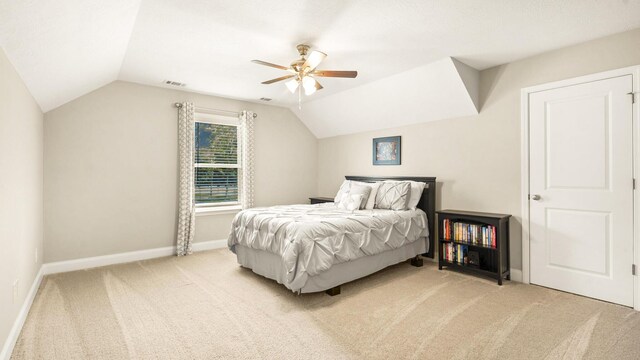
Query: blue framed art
[386, 150]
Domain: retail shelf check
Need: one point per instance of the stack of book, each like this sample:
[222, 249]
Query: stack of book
[483, 235]
[455, 253]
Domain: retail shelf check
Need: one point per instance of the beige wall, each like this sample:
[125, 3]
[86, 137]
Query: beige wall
[111, 169]
[110, 156]
[476, 159]
[20, 192]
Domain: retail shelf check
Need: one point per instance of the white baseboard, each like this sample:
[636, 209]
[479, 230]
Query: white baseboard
[11, 340]
[516, 275]
[88, 263]
[98, 261]
[209, 245]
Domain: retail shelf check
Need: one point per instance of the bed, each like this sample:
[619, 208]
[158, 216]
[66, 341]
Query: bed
[312, 248]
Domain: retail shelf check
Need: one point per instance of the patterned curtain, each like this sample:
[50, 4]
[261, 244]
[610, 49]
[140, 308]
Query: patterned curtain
[186, 203]
[248, 157]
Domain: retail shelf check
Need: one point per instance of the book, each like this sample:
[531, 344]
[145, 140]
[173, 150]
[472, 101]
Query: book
[475, 234]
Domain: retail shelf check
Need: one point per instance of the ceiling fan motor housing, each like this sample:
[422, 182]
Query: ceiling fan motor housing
[296, 65]
[303, 49]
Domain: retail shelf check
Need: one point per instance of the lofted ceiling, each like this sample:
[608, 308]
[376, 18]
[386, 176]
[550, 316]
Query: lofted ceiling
[401, 99]
[66, 48]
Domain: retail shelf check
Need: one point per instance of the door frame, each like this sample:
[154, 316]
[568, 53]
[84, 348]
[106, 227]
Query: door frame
[634, 71]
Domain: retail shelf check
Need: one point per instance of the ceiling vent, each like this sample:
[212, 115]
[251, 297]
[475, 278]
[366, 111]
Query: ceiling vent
[174, 83]
[265, 99]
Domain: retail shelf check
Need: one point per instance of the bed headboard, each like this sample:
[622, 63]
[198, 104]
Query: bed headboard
[427, 201]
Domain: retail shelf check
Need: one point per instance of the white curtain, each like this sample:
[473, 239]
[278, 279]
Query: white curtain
[186, 203]
[248, 157]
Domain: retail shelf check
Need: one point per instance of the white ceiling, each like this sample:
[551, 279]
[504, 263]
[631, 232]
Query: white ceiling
[443, 89]
[66, 48]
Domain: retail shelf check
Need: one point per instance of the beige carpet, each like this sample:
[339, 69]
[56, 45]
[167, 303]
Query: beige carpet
[206, 307]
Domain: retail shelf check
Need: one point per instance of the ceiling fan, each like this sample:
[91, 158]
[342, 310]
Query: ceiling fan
[303, 71]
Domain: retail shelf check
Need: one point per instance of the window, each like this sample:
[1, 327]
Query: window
[217, 161]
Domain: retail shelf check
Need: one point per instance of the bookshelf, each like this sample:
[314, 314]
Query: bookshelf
[474, 242]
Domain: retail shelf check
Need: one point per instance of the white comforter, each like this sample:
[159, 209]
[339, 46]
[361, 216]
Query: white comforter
[312, 238]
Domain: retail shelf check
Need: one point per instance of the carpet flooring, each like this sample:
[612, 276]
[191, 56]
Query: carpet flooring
[205, 306]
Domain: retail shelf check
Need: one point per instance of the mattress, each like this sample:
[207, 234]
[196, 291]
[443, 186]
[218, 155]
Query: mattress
[311, 239]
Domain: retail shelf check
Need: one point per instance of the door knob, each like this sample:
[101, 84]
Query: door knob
[536, 197]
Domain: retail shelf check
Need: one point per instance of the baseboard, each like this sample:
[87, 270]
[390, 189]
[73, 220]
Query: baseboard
[516, 275]
[98, 261]
[209, 245]
[11, 340]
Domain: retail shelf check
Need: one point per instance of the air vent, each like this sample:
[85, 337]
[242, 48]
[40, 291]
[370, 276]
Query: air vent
[265, 99]
[174, 83]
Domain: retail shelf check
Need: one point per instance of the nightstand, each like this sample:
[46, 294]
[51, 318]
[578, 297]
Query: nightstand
[320, 200]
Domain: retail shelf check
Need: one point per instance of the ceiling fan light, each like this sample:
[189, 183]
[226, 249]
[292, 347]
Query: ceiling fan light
[292, 85]
[309, 85]
[309, 92]
[314, 59]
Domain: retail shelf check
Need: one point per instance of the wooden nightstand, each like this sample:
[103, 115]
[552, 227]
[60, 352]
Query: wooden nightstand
[320, 199]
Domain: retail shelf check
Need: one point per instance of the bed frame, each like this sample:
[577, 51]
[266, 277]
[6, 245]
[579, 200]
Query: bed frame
[427, 202]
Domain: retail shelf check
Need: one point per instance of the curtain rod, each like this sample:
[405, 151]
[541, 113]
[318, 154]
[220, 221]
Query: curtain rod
[214, 111]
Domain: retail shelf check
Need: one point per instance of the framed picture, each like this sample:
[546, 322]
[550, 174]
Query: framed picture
[386, 151]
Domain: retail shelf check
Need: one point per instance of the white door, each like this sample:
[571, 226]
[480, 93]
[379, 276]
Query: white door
[581, 173]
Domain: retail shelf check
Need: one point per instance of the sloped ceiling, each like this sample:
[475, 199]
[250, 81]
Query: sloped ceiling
[435, 91]
[66, 48]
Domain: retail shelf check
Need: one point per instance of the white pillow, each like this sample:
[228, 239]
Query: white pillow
[357, 189]
[369, 198]
[417, 187]
[344, 189]
[350, 202]
[371, 202]
[393, 195]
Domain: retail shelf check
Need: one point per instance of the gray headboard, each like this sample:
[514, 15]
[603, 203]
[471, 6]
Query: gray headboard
[427, 201]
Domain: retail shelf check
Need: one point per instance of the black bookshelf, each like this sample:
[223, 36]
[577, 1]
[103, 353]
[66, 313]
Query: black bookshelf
[476, 252]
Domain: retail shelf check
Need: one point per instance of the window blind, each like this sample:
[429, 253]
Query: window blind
[216, 164]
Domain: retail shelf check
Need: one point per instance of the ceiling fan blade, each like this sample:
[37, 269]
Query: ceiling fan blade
[278, 79]
[260, 62]
[335, 73]
[313, 60]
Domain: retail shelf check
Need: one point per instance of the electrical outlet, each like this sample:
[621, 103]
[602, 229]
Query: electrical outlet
[15, 291]
[36, 255]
